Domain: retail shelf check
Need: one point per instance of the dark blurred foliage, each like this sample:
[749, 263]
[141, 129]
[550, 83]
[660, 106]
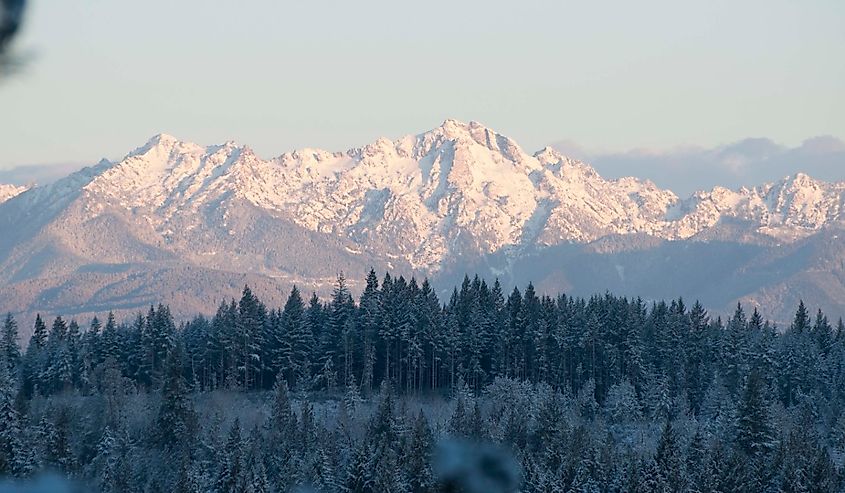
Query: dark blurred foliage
[47, 483]
[11, 17]
[10, 21]
[475, 467]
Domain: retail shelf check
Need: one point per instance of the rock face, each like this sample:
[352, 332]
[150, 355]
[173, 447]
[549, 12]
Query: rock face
[189, 224]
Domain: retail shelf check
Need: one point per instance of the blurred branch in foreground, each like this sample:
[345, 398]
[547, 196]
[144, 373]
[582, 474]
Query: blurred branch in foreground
[11, 15]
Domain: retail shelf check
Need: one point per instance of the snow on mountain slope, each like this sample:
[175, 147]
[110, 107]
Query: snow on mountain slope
[458, 189]
[9, 191]
[787, 210]
[432, 203]
[587, 207]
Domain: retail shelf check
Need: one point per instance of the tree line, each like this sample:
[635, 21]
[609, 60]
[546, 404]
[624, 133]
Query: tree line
[599, 394]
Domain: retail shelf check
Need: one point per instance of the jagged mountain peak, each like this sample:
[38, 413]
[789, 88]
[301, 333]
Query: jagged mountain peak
[9, 191]
[563, 165]
[162, 147]
[427, 201]
[549, 153]
[162, 138]
[801, 184]
[802, 180]
[454, 128]
[158, 142]
[456, 189]
[457, 134]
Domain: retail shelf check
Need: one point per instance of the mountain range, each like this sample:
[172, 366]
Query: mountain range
[189, 225]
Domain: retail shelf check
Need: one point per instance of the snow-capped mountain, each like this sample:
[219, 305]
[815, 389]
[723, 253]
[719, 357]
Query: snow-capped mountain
[431, 203]
[460, 188]
[9, 191]
[787, 210]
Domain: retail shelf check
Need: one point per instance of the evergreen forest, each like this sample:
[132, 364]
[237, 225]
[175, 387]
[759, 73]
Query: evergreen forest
[400, 391]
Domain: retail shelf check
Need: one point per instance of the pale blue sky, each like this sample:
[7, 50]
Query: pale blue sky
[277, 75]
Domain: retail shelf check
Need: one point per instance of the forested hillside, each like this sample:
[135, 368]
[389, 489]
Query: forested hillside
[400, 391]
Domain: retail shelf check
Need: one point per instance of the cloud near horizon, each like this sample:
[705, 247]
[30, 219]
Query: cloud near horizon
[744, 163]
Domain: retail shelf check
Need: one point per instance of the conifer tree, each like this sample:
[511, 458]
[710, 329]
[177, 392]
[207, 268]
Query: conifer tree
[109, 340]
[417, 458]
[458, 421]
[57, 373]
[621, 405]
[382, 425]
[315, 317]
[822, 333]
[670, 465]
[255, 474]
[342, 341]
[56, 439]
[732, 351]
[74, 349]
[106, 463]
[754, 435]
[359, 473]
[12, 458]
[282, 417]
[351, 398]
[283, 430]
[9, 344]
[176, 422]
[369, 320]
[801, 323]
[186, 481]
[295, 341]
[475, 426]
[307, 428]
[251, 317]
[230, 473]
